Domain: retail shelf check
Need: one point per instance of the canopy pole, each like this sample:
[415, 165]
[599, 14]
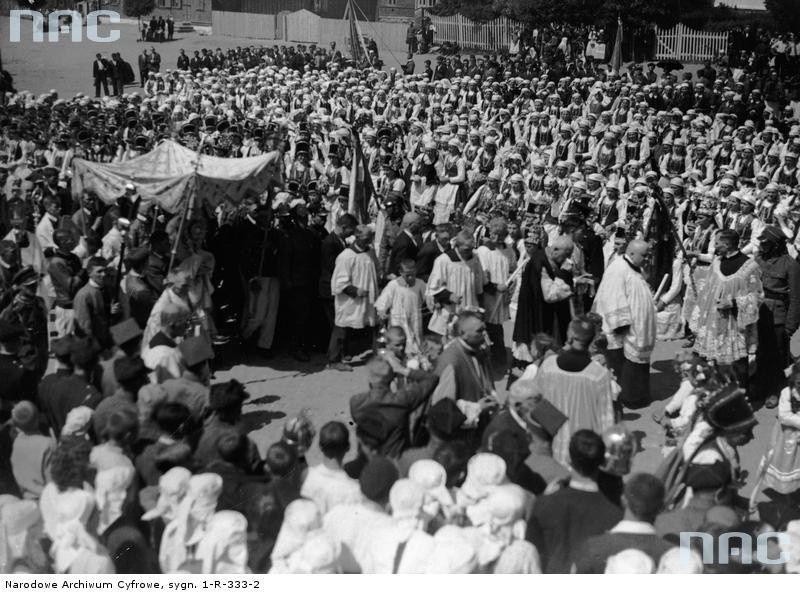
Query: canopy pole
[178, 236]
[187, 205]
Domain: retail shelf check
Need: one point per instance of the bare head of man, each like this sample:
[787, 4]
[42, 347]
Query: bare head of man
[472, 330]
[561, 249]
[637, 252]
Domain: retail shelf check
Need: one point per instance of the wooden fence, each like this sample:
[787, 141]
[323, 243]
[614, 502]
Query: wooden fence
[490, 35]
[684, 44]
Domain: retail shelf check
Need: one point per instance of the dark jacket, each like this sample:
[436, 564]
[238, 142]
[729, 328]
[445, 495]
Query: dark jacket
[403, 248]
[426, 256]
[396, 408]
[331, 247]
[67, 275]
[533, 314]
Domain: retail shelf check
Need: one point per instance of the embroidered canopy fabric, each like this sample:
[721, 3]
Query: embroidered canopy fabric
[167, 175]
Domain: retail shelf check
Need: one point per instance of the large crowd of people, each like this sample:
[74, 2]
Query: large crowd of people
[594, 213]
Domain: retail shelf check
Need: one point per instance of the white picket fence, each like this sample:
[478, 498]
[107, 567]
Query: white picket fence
[490, 35]
[687, 45]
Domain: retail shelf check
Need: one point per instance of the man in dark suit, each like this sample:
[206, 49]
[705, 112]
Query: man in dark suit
[63, 390]
[170, 28]
[406, 245]
[144, 66]
[393, 408]
[196, 63]
[183, 61]
[441, 71]
[561, 521]
[100, 72]
[92, 306]
[298, 269]
[154, 60]
[431, 250]
[140, 296]
[642, 500]
[333, 245]
[117, 74]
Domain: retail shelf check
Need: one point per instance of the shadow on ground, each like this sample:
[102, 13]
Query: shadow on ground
[255, 420]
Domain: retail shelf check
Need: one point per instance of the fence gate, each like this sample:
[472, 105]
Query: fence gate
[684, 44]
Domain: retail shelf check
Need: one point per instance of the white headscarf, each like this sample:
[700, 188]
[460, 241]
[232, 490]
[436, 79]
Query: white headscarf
[792, 546]
[405, 500]
[319, 554]
[505, 509]
[300, 519]
[110, 489]
[172, 488]
[77, 421]
[432, 477]
[453, 552]
[58, 507]
[484, 473]
[223, 548]
[18, 519]
[630, 561]
[65, 515]
[680, 561]
[191, 520]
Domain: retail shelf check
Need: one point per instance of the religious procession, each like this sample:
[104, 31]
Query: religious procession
[489, 252]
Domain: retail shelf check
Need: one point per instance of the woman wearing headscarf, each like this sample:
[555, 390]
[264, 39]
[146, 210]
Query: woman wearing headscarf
[499, 536]
[178, 551]
[162, 502]
[438, 505]
[300, 520]
[21, 536]
[485, 472]
[402, 545]
[223, 548]
[66, 505]
[119, 527]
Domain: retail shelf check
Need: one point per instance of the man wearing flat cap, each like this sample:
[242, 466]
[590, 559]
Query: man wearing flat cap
[28, 310]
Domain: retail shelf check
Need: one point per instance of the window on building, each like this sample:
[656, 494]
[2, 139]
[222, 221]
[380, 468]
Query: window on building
[163, 3]
[391, 2]
[176, 4]
[201, 5]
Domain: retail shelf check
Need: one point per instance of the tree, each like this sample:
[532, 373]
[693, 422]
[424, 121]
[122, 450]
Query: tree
[785, 13]
[476, 10]
[139, 8]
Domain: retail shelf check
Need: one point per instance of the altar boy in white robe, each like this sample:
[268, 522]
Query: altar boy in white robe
[497, 261]
[400, 303]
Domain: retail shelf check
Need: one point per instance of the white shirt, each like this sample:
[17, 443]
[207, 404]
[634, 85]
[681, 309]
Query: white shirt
[328, 488]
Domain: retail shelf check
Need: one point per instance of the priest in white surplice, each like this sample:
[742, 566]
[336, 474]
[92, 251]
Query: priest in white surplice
[629, 322]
